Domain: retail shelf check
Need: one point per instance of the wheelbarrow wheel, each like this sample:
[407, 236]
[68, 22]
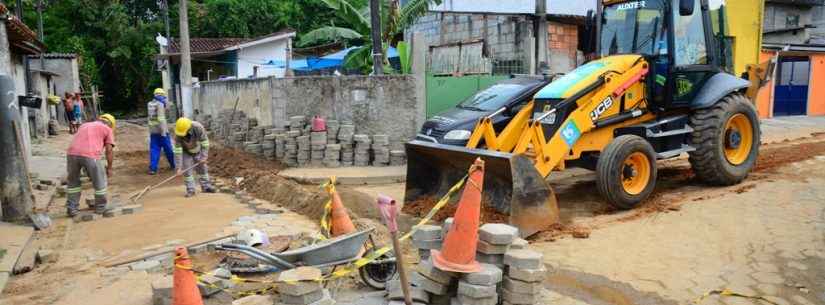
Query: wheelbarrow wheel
[376, 274]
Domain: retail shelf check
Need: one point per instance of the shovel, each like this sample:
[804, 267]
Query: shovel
[134, 198]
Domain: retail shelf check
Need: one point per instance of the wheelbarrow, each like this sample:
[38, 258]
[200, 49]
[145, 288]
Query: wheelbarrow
[334, 252]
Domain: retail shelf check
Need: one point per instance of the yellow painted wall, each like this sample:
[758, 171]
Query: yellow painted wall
[745, 23]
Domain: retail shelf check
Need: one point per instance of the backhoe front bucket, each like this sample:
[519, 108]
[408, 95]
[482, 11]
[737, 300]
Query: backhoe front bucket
[511, 184]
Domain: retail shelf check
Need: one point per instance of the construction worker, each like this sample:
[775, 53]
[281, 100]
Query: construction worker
[85, 153]
[158, 132]
[191, 148]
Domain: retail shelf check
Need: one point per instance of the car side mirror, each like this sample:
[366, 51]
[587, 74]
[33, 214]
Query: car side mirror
[513, 110]
[686, 7]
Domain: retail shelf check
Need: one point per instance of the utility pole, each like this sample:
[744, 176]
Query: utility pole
[185, 62]
[19, 9]
[542, 40]
[377, 47]
[166, 17]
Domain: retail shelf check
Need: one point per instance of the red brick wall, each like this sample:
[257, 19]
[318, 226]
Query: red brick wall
[564, 39]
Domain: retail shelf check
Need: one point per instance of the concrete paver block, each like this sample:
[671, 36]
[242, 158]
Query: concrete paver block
[518, 298]
[494, 259]
[394, 292]
[46, 255]
[211, 285]
[427, 232]
[427, 269]
[132, 209]
[298, 288]
[527, 275]
[86, 216]
[427, 244]
[519, 243]
[113, 212]
[476, 291]
[488, 248]
[523, 258]
[254, 300]
[308, 298]
[498, 233]
[465, 300]
[490, 275]
[300, 274]
[428, 284]
[517, 286]
[395, 302]
[326, 300]
[436, 299]
[148, 266]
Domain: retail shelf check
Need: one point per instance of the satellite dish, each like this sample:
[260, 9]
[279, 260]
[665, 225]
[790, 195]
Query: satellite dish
[162, 41]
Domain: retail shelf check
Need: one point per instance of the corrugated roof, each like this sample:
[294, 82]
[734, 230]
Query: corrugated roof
[60, 55]
[20, 36]
[206, 45]
[203, 45]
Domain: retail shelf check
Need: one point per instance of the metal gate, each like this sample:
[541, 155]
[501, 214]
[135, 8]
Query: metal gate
[791, 92]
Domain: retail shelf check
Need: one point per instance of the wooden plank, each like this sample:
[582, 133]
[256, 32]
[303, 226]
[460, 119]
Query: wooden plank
[13, 238]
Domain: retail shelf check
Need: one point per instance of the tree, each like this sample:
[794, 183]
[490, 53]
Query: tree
[357, 30]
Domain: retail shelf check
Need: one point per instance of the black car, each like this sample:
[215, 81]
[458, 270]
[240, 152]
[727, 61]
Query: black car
[454, 126]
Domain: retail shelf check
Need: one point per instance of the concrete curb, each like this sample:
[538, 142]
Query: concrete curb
[373, 180]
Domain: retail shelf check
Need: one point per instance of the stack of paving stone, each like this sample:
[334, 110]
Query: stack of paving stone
[304, 146]
[397, 157]
[318, 142]
[298, 287]
[525, 272]
[380, 150]
[362, 149]
[280, 146]
[345, 139]
[439, 284]
[291, 147]
[494, 240]
[395, 294]
[426, 238]
[479, 288]
[332, 155]
[297, 122]
[333, 126]
[268, 146]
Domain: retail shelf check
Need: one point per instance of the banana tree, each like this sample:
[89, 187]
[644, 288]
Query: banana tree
[357, 30]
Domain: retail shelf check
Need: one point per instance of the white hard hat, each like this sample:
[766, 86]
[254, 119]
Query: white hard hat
[253, 238]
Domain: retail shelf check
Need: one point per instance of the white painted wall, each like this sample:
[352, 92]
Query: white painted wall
[259, 55]
[558, 7]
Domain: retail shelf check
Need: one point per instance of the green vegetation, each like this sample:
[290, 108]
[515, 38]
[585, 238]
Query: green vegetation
[116, 37]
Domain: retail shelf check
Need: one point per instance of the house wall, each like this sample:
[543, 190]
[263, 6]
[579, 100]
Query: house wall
[375, 104]
[563, 45]
[816, 95]
[776, 15]
[259, 55]
[504, 35]
[764, 100]
[744, 23]
[68, 80]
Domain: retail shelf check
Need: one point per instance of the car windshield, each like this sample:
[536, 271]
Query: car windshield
[633, 27]
[492, 98]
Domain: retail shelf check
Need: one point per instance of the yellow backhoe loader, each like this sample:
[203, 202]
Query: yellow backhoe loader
[663, 87]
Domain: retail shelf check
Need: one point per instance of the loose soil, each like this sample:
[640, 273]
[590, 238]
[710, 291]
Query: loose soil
[420, 208]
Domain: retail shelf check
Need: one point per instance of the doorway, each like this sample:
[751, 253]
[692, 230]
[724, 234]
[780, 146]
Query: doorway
[791, 92]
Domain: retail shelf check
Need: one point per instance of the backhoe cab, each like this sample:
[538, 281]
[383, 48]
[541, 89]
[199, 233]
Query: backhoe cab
[661, 88]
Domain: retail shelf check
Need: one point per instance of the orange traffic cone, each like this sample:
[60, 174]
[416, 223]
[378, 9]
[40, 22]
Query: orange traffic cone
[341, 224]
[458, 253]
[185, 286]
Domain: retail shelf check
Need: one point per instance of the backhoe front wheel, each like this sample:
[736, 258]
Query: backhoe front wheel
[726, 137]
[626, 171]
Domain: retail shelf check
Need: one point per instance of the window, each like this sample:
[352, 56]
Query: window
[689, 34]
[634, 27]
[792, 21]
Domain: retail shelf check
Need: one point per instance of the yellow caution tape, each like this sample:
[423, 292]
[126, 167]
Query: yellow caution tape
[728, 293]
[363, 261]
[326, 224]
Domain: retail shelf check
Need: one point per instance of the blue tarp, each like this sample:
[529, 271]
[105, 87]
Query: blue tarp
[330, 61]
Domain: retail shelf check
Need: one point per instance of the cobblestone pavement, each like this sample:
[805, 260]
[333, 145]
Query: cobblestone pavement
[765, 241]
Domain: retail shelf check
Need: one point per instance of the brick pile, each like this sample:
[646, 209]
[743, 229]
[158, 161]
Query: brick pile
[380, 150]
[298, 287]
[362, 149]
[510, 274]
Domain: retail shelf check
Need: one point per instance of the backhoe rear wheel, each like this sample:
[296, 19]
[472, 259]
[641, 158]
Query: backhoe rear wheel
[726, 137]
[626, 171]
